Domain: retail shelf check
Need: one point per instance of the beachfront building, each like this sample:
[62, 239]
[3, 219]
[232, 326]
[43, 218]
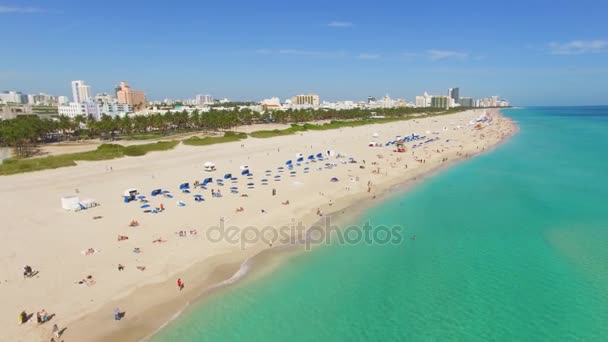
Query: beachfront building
[440, 102]
[272, 103]
[81, 92]
[306, 100]
[108, 105]
[13, 97]
[126, 95]
[62, 100]
[454, 94]
[85, 108]
[466, 102]
[204, 100]
[423, 101]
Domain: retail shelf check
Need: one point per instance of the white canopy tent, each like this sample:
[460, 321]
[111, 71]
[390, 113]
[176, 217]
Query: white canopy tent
[209, 166]
[70, 202]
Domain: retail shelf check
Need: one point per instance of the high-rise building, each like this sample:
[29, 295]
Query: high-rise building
[13, 97]
[423, 101]
[453, 93]
[310, 99]
[440, 102]
[466, 102]
[126, 95]
[371, 99]
[62, 100]
[204, 99]
[80, 91]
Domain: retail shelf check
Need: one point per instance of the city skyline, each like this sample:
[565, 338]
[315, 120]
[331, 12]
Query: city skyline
[334, 49]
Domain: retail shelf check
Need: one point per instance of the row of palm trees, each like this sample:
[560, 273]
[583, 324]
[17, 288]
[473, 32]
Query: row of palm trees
[24, 132]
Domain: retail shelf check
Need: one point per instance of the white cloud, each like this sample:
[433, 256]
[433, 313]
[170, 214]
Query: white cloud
[340, 24]
[410, 54]
[436, 55]
[15, 9]
[578, 47]
[369, 56]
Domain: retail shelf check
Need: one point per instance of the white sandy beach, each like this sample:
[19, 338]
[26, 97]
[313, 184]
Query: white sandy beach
[36, 230]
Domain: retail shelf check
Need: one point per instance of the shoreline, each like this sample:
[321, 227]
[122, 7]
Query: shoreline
[150, 300]
[263, 261]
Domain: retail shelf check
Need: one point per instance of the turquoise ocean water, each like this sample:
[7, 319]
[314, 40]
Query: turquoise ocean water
[511, 246]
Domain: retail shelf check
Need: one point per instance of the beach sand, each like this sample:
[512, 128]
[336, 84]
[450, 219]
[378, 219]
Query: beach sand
[36, 230]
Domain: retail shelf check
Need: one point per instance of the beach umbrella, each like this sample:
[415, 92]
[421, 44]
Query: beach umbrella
[268, 171]
[228, 176]
[319, 156]
[301, 159]
[333, 180]
[311, 157]
[145, 206]
[245, 172]
[289, 162]
[250, 184]
[141, 197]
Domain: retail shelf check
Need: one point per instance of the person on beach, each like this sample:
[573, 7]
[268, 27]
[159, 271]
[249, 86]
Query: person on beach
[180, 284]
[117, 314]
[23, 317]
[121, 267]
[55, 330]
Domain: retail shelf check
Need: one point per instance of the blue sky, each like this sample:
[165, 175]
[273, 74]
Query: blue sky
[530, 52]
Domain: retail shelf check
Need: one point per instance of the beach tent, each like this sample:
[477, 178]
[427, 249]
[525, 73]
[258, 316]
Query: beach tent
[333, 180]
[156, 192]
[129, 195]
[319, 156]
[87, 203]
[184, 186]
[311, 157]
[245, 172]
[244, 167]
[268, 171]
[207, 181]
[300, 159]
[70, 202]
[289, 162]
[209, 166]
[198, 198]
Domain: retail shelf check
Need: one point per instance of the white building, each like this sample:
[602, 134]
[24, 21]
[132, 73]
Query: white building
[12, 97]
[86, 109]
[423, 101]
[204, 99]
[62, 100]
[273, 101]
[80, 91]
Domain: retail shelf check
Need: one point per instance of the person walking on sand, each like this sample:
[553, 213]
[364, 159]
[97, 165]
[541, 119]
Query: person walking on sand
[55, 330]
[180, 284]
